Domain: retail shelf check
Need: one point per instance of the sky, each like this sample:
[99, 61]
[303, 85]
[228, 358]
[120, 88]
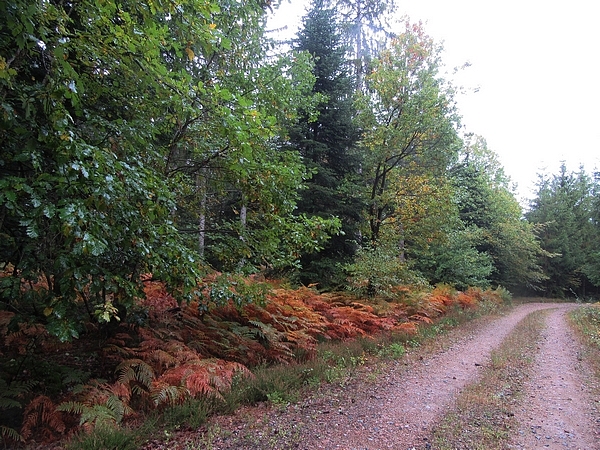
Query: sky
[532, 87]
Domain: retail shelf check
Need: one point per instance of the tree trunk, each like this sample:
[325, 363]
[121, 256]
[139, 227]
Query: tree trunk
[243, 220]
[203, 194]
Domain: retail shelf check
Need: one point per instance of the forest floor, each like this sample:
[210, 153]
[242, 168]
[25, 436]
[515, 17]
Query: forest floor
[401, 404]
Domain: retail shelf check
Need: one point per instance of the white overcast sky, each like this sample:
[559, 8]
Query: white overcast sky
[536, 65]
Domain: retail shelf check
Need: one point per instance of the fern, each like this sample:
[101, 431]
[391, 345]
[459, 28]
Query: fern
[41, 413]
[98, 415]
[206, 377]
[168, 394]
[163, 358]
[9, 393]
[8, 400]
[71, 407]
[111, 411]
[10, 433]
[135, 370]
[118, 407]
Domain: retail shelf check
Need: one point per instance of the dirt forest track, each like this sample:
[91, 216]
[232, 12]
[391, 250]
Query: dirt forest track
[400, 407]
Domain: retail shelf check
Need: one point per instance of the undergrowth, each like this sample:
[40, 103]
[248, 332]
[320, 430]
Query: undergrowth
[586, 321]
[186, 363]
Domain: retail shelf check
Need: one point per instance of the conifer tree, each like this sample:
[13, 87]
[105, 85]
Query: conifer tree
[326, 143]
[563, 207]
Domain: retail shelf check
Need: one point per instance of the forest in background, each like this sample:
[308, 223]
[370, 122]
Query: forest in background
[178, 145]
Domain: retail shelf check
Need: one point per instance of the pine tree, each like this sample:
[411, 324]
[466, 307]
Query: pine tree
[563, 207]
[327, 143]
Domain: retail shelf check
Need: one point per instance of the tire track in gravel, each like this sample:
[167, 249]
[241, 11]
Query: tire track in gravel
[556, 411]
[402, 409]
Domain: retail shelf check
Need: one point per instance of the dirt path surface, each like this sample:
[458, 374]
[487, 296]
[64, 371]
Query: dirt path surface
[557, 409]
[399, 409]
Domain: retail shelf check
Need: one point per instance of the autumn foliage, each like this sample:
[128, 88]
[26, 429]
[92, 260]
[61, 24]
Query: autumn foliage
[183, 351]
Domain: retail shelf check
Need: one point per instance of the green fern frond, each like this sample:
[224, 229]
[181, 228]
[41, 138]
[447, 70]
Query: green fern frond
[7, 403]
[10, 433]
[9, 393]
[71, 407]
[78, 389]
[117, 407]
[258, 324]
[126, 373]
[138, 390]
[135, 370]
[169, 394]
[98, 415]
[264, 330]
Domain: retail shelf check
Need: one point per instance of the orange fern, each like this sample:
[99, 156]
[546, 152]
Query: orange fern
[199, 377]
[41, 417]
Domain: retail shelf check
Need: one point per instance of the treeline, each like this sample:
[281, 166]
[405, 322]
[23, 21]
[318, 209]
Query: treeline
[566, 211]
[179, 138]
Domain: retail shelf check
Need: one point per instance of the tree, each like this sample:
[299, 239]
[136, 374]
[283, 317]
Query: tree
[489, 209]
[409, 119]
[435, 243]
[364, 23]
[592, 266]
[115, 115]
[563, 210]
[85, 94]
[238, 186]
[409, 130]
[326, 143]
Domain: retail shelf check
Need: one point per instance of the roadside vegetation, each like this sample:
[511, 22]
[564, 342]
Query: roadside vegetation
[147, 380]
[586, 321]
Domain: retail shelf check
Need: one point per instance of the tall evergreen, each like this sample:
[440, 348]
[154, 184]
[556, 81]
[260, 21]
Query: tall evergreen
[327, 142]
[563, 207]
[492, 219]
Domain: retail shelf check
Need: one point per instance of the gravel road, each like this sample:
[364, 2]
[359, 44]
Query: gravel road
[558, 411]
[399, 408]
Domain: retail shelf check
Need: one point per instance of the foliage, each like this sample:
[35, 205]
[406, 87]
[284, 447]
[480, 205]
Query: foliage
[118, 119]
[379, 269]
[326, 143]
[188, 354]
[409, 122]
[238, 183]
[365, 23]
[410, 117]
[564, 213]
[506, 245]
[85, 93]
[105, 438]
[11, 397]
[144, 142]
[457, 261]
[587, 321]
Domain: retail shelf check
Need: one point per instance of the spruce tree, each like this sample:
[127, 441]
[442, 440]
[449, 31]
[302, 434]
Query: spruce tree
[327, 143]
[563, 207]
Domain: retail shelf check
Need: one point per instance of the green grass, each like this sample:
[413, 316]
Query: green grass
[586, 322]
[106, 438]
